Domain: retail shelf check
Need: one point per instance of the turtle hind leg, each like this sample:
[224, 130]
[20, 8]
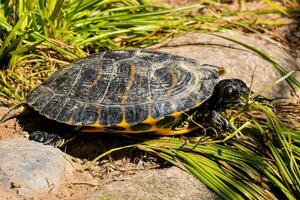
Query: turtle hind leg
[46, 138]
[52, 139]
[14, 112]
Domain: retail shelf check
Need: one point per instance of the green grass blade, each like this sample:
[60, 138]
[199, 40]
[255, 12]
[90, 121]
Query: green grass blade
[12, 34]
[57, 10]
[274, 5]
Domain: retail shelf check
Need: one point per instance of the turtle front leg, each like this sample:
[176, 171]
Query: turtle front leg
[218, 122]
[212, 119]
[47, 138]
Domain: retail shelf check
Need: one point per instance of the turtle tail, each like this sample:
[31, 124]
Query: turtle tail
[14, 112]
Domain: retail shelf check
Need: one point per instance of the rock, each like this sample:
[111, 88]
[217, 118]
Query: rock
[238, 61]
[30, 168]
[160, 184]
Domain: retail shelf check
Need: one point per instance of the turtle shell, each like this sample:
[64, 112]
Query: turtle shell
[123, 89]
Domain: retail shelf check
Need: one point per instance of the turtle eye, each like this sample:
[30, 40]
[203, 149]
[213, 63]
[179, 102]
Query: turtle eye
[228, 92]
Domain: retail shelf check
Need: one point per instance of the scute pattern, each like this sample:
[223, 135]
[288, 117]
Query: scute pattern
[88, 86]
[64, 80]
[139, 91]
[112, 86]
[115, 114]
[52, 107]
[71, 112]
[164, 108]
[39, 97]
[136, 113]
[117, 84]
[118, 55]
[90, 114]
[153, 56]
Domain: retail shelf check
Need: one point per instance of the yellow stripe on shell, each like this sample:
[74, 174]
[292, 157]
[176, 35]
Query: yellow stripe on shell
[97, 124]
[124, 123]
[154, 130]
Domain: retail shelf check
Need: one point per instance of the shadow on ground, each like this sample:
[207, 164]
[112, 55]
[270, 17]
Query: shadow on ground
[86, 146]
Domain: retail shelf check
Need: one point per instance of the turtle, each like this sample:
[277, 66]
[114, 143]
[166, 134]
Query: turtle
[135, 91]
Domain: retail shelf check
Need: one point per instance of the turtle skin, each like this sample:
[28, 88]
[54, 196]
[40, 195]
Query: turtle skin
[130, 91]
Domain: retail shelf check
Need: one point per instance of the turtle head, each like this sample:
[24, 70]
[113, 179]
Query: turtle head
[230, 93]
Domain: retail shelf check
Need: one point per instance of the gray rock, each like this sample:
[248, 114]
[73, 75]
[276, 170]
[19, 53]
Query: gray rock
[238, 61]
[161, 184]
[30, 168]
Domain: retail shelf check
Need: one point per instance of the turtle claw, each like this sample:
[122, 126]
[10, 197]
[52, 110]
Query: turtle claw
[46, 138]
[219, 123]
